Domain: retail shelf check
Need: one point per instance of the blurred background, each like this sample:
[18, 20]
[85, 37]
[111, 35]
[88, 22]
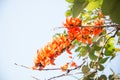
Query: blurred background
[25, 26]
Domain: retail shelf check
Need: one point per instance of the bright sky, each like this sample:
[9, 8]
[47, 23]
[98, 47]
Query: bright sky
[25, 26]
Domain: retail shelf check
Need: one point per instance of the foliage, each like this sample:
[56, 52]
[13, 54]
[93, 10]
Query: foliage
[86, 32]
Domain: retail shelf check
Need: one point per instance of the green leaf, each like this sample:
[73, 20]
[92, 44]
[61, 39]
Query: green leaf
[102, 77]
[118, 42]
[78, 6]
[70, 1]
[97, 48]
[108, 52]
[112, 10]
[78, 49]
[93, 64]
[74, 42]
[68, 13]
[111, 77]
[92, 55]
[109, 48]
[118, 34]
[83, 50]
[100, 67]
[102, 61]
[85, 69]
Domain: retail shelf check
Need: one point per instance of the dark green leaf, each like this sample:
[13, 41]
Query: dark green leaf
[111, 77]
[118, 34]
[78, 49]
[118, 42]
[100, 67]
[97, 48]
[112, 10]
[102, 61]
[102, 77]
[85, 69]
[93, 64]
[113, 56]
[92, 55]
[78, 6]
[86, 78]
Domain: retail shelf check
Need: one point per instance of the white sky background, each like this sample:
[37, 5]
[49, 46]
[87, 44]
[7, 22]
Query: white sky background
[25, 26]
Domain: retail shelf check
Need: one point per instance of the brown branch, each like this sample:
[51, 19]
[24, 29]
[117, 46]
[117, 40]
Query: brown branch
[114, 25]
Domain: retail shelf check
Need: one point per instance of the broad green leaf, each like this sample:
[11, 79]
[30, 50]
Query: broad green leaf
[70, 1]
[102, 61]
[109, 52]
[78, 6]
[102, 77]
[94, 4]
[85, 69]
[111, 8]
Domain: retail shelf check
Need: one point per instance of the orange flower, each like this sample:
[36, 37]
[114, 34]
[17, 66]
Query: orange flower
[72, 22]
[64, 67]
[98, 22]
[73, 64]
[68, 51]
[47, 55]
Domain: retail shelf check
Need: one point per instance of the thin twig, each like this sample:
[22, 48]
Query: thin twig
[35, 78]
[22, 66]
[68, 71]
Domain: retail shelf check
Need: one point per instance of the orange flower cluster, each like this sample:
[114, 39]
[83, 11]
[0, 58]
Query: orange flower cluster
[47, 55]
[83, 34]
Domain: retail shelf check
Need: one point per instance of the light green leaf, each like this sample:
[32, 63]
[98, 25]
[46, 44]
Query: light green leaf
[68, 13]
[94, 4]
[83, 50]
